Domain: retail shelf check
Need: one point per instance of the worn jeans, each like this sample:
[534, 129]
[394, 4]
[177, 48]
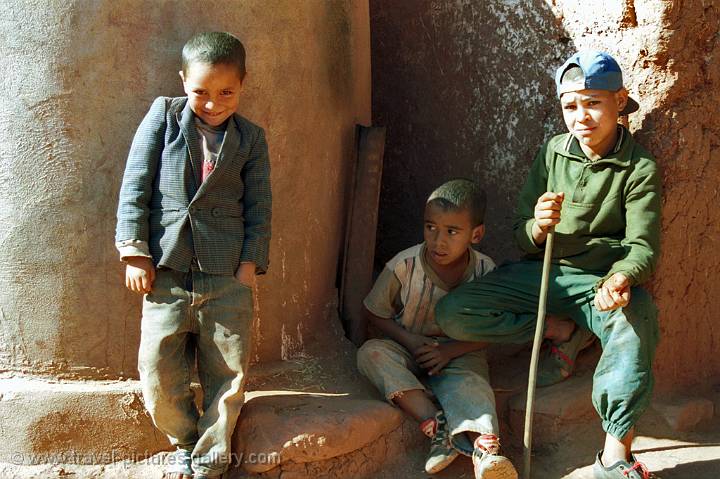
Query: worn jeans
[191, 318]
[462, 388]
[502, 307]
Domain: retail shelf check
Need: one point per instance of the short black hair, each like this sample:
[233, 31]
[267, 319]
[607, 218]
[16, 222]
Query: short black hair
[214, 48]
[461, 194]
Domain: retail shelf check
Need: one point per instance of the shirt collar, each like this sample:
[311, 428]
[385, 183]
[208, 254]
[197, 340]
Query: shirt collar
[572, 146]
[430, 272]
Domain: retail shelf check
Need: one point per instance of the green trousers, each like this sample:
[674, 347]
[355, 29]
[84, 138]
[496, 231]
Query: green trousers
[501, 307]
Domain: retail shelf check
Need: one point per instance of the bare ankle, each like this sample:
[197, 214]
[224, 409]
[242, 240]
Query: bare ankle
[617, 450]
[558, 329]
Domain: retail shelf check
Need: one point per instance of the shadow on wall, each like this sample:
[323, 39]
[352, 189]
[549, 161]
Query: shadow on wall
[465, 89]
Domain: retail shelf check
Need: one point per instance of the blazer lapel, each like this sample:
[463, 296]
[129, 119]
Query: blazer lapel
[228, 153]
[186, 119]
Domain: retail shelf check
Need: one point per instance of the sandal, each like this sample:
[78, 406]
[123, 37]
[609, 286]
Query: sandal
[558, 361]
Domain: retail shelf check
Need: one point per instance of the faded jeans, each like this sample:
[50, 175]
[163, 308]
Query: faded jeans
[189, 317]
[462, 388]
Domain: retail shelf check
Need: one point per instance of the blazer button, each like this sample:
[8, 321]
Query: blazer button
[215, 212]
[192, 209]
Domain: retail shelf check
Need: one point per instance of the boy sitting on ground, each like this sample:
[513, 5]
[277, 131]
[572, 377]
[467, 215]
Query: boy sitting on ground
[401, 305]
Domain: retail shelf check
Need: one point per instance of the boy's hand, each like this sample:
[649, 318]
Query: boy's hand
[245, 274]
[614, 293]
[433, 358]
[416, 341]
[139, 274]
[547, 214]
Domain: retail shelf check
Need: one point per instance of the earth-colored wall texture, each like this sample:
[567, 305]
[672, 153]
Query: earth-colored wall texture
[465, 88]
[78, 76]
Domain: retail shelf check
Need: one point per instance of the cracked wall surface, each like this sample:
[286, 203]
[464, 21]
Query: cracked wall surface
[465, 89]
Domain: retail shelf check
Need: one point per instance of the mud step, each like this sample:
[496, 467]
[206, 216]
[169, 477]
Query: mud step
[318, 435]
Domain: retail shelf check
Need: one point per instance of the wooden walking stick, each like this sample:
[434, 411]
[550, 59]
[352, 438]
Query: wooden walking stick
[537, 341]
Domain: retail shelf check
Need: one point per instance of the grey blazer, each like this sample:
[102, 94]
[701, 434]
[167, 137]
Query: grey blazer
[223, 221]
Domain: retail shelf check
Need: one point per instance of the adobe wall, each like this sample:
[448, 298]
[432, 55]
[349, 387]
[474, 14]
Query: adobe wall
[77, 79]
[465, 89]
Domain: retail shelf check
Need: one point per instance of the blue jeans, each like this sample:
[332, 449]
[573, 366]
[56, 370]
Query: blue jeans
[462, 388]
[189, 317]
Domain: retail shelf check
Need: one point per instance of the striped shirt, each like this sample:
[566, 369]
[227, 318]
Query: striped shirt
[408, 289]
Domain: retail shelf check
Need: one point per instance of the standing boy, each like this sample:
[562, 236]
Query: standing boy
[194, 229]
[601, 192]
[401, 305]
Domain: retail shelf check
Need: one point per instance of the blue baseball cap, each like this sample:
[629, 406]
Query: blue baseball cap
[597, 71]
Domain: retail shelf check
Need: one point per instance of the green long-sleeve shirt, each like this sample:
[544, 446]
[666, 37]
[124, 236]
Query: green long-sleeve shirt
[610, 219]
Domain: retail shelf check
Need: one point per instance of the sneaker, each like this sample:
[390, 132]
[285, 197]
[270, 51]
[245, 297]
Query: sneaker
[621, 470]
[487, 461]
[179, 464]
[558, 362]
[441, 451]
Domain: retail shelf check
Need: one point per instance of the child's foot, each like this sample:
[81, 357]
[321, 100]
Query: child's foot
[442, 453]
[179, 465]
[487, 461]
[558, 361]
[621, 470]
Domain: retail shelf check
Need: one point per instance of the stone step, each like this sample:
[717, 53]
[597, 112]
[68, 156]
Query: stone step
[300, 433]
[80, 422]
[319, 418]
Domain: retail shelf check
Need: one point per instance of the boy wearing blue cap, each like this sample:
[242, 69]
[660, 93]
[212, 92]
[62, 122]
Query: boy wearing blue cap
[602, 193]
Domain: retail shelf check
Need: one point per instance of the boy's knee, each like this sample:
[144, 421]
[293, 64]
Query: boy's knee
[372, 352]
[642, 313]
[634, 327]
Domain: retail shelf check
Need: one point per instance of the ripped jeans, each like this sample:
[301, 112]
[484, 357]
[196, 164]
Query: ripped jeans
[462, 388]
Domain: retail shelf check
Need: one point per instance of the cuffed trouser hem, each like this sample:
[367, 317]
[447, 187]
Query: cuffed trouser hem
[618, 431]
[462, 388]
[391, 397]
[389, 366]
[460, 440]
[210, 472]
